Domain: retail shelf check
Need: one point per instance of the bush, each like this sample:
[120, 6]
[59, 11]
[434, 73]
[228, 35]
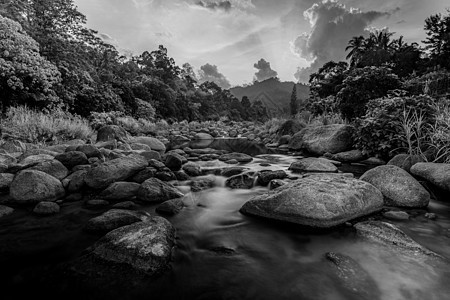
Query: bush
[38, 127]
[381, 131]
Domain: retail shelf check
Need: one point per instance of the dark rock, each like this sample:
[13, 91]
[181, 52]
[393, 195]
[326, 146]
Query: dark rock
[74, 197]
[165, 175]
[276, 183]
[241, 181]
[398, 187]
[155, 190]
[240, 157]
[200, 184]
[5, 182]
[436, 173]
[31, 186]
[150, 155]
[174, 161]
[5, 211]
[52, 167]
[181, 176]
[232, 171]
[120, 191]
[72, 159]
[264, 177]
[46, 208]
[113, 219]
[170, 207]
[405, 161]
[317, 201]
[348, 156]
[89, 150]
[75, 182]
[396, 215]
[152, 142]
[143, 175]
[119, 169]
[96, 203]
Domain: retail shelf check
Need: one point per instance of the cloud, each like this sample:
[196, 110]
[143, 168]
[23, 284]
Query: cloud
[332, 26]
[210, 72]
[223, 5]
[264, 70]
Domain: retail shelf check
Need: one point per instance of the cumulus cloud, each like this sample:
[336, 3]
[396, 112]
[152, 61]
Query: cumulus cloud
[332, 26]
[264, 70]
[210, 72]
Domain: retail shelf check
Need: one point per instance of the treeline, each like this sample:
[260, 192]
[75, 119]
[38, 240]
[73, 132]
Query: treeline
[50, 59]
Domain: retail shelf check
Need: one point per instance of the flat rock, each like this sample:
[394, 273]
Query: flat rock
[398, 187]
[436, 173]
[349, 156]
[113, 219]
[311, 164]
[396, 215]
[317, 201]
[155, 190]
[232, 171]
[32, 186]
[240, 157]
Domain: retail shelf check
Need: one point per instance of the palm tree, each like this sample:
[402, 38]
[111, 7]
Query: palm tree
[357, 48]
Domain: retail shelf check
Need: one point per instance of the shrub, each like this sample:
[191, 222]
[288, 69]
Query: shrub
[381, 131]
[37, 127]
[144, 110]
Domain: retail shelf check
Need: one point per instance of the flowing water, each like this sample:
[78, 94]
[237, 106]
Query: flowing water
[222, 254]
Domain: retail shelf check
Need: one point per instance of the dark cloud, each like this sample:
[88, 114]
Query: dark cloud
[214, 5]
[333, 25]
[264, 70]
[209, 72]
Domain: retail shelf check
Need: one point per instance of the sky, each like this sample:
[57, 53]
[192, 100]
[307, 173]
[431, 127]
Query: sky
[239, 41]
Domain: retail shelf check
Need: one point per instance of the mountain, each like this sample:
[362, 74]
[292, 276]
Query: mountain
[274, 94]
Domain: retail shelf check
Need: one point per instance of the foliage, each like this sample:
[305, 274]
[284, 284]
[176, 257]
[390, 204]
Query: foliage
[432, 83]
[25, 76]
[38, 127]
[328, 79]
[361, 85]
[381, 131]
[437, 28]
[294, 104]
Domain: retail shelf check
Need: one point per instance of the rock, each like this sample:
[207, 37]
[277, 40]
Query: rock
[36, 158]
[120, 191]
[165, 175]
[7, 159]
[119, 169]
[353, 278]
[113, 219]
[319, 140]
[276, 183]
[142, 247]
[89, 150]
[124, 147]
[125, 205]
[72, 159]
[5, 211]
[431, 216]
[96, 203]
[74, 197]
[31, 186]
[232, 171]
[405, 161]
[373, 161]
[170, 207]
[349, 156]
[396, 215]
[5, 181]
[155, 190]
[265, 176]
[75, 182]
[150, 154]
[32, 152]
[181, 175]
[152, 142]
[107, 145]
[143, 175]
[156, 164]
[46, 208]
[200, 184]
[112, 132]
[317, 201]
[241, 181]
[311, 164]
[174, 161]
[52, 167]
[290, 127]
[398, 187]
[240, 157]
[139, 146]
[11, 146]
[284, 140]
[232, 162]
[390, 236]
[435, 173]
[202, 136]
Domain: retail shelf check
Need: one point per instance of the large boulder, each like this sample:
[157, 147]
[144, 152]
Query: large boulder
[405, 161]
[152, 142]
[46, 208]
[265, 176]
[155, 190]
[120, 191]
[90, 150]
[72, 158]
[174, 161]
[348, 156]
[52, 167]
[398, 187]
[32, 186]
[119, 169]
[11, 146]
[240, 157]
[312, 164]
[319, 140]
[192, 169]
[241, 181]
[113, 219]
[318, 201]
[436, 173]
[202, 136]
[112, 132]
[140, 248]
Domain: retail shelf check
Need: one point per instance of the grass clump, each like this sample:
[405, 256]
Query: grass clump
[34, 126]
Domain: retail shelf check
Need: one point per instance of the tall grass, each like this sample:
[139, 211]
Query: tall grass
[38, 127]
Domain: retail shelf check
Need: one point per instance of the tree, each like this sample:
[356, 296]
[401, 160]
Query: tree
[328, 79]
[437, 28]
[294, 104]
[357, 47]
[25, 76]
